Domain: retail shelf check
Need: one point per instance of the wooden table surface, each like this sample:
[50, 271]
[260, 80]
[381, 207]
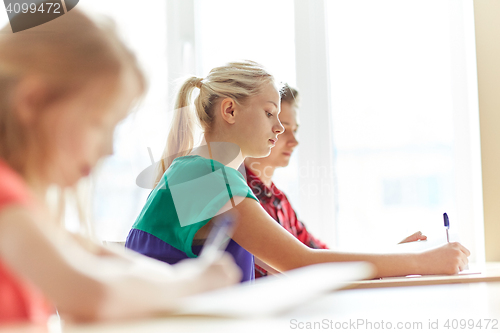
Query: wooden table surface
[410, 308]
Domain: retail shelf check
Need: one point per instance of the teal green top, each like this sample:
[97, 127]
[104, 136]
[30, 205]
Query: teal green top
[189, 195]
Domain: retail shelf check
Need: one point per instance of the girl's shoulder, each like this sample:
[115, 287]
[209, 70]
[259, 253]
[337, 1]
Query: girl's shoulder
[188, 167]
[189, 161]
[194, 166]
[21, 301]
[13, 189]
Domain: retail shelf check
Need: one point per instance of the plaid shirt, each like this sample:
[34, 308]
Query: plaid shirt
[276, 204]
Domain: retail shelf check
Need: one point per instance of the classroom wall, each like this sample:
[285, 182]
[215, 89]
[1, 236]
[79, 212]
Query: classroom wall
[487, 14]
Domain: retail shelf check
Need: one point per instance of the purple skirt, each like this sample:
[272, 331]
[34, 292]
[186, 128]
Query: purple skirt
[153, 247]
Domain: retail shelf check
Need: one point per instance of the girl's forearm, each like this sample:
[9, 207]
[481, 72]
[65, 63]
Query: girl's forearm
[450, 258]
[385, 264]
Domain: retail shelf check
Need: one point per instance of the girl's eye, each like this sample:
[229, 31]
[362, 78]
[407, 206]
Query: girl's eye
[269, 114]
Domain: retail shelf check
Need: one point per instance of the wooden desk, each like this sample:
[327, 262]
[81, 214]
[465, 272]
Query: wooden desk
[420, 305]
[416, 305]
[489, 272]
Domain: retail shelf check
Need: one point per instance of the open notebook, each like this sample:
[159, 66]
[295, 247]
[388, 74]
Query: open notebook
[275, 294]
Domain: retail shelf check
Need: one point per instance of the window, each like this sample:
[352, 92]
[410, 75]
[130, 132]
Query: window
[405, 120]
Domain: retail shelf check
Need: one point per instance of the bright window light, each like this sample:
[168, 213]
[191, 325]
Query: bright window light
[395, 117]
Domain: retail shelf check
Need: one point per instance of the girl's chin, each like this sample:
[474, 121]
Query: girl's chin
[266, 153]
[284, 163]
[69, 181]
[259, 154]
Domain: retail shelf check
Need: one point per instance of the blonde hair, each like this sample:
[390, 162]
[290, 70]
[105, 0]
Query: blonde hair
[67, 54]
[236, 80]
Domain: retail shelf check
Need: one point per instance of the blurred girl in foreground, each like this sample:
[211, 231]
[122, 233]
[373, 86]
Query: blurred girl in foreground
[64, 86]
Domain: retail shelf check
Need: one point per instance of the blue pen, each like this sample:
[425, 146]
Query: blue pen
[447, 226]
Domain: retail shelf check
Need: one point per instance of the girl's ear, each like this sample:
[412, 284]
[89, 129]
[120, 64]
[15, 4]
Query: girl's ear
[28, 98]
[227, 110]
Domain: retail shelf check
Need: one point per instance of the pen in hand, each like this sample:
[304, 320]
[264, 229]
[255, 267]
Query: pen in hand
[447, 226]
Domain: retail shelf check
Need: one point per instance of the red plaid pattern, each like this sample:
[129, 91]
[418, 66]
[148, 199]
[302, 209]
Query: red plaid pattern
[277, 205]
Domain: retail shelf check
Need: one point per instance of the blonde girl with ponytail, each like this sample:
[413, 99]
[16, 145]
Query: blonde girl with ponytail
[64, 86]
[238, 108]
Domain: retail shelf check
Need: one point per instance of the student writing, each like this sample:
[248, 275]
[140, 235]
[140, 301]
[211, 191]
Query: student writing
[239, 104]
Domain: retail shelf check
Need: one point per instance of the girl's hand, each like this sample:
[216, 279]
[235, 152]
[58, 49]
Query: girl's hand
[222, 273]
[205, 276]
[447, 259]
[413, 238]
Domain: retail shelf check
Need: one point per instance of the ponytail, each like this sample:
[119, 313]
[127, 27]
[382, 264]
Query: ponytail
[180, 140]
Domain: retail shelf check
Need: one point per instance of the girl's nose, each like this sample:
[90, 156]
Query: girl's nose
[279, 129]
[293, 140]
